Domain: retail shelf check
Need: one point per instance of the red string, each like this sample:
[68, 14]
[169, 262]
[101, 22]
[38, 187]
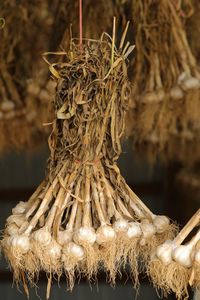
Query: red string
[80, 24]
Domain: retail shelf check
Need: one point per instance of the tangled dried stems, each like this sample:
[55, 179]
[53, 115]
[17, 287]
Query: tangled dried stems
[83, 216]
[193, 29]
[166, 103]
[174, 266]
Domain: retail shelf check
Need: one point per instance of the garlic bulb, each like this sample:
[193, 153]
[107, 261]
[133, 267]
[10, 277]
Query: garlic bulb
[42, 236]
[190, 83]
[53, 250]
[182, 255]
[64, 236]
[7, 105]
[161, 223]
[120, 225]
[74, 250]
[197, 256]
[105, 234]
[134, 230]
[12, 229]
[148, 229]
[85, 235]
[176, 93]
[17, 219]
[164, 252]
[20, 208]
[20, 243]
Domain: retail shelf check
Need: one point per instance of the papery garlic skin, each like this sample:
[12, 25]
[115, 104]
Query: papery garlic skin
[164, 252]
[120, 225]
[134, 230]
[85, 235]
[148, 229]
[105, 234]
[74, 250]
[190, 83]
[19, 242]
[42, 236]
[64, 237]
[182, 255]
[53, 250]
[17, 219]
[176, 93]
[12, 229]
[20, 208]
[161, 223]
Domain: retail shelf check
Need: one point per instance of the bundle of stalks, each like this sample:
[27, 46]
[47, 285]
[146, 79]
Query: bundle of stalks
[193, 29]
[166, 102]
[20, 56]
[84, 216]
[175, 264]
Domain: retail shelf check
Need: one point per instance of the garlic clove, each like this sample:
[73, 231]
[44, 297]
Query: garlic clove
[85, 235]
[164, 252]
[16, 219]
[182, 255]
[120, 225]
[64, 236]
[74, 250]
[134, 230]
[161, 223]
[19, 243]
[176, 93]
[42, 236]
[190, 84]
[148, 229]
[105, 234]
[7, 105]
[53, 250]
[20, 208]
[12, 229]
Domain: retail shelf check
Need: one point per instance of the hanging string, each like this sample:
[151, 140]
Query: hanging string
[80, 24]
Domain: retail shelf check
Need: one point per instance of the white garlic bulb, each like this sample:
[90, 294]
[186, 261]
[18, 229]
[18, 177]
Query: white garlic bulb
[7, 105]
[164, 252]
[12, 229]
[85, 235]
[182, 255]
[42, 236]
[134, 230]
[20, 208]
[74, 250]
[53, 250]
[105, 234]
[64, 236]
[161, 223]
[148, 229]
[20, 243]
[120, 225]
[16, 219]
[176, 93]
[197, 256]
[190, 83]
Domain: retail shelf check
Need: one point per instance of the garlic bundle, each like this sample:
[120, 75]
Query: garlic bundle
[175, 265]
[83, 215]
[166, 103]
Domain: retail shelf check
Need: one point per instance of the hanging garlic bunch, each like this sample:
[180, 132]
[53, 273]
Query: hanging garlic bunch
[83, 215]
[166, 104]
[175, 265]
